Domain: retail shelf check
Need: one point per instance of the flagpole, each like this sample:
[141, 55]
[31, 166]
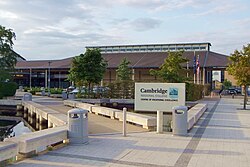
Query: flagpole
[194, 66]
[198, 68]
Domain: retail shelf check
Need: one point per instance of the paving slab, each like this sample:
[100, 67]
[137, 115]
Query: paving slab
[220, 138]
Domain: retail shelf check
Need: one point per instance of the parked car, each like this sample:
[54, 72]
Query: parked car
[76, 90]
[100, 89]
[70, 88]
[232, 91]
[238, 90]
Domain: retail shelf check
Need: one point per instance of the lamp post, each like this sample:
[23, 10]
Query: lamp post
[30, 77]
[49, 79]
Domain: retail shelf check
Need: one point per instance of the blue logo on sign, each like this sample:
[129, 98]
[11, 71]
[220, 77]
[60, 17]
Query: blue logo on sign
[173, 93]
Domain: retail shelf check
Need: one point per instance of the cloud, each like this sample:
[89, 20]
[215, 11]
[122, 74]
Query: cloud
[160, 5]
[61, 28]
[145, 24]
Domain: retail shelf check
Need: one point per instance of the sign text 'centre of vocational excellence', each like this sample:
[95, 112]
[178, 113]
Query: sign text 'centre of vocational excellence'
[159, 96]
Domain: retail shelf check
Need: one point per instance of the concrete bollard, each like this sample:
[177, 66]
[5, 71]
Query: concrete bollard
[159, 121]
[124, 121]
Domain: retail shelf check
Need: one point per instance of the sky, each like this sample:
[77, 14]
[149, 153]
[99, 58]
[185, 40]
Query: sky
[58, 29]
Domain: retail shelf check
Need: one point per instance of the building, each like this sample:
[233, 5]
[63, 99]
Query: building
[142, 58]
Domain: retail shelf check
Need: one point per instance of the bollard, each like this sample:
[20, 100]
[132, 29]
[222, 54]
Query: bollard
[159, 121]
[124, 121]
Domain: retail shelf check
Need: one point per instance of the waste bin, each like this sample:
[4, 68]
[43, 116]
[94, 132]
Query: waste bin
[27, 97]
[72, 95]
[64, 95]
[78, 126]
[180, 125]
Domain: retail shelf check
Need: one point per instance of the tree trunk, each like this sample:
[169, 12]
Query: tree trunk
[245, 97]
[89, 89]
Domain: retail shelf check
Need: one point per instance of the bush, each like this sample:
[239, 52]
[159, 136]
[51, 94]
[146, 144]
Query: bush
[195, 92]
[56, 91]
[7, 89]
[121, 89]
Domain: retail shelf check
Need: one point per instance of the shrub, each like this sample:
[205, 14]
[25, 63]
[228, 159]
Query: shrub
[7, 89]
[56, 91]
[195, 92]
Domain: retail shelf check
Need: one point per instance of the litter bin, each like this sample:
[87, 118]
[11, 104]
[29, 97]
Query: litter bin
[42, 91]
[180, 125]
[78, 126]
[64, 95]
[72, 95]
[27, 97]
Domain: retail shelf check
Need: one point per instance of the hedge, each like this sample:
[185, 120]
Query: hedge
[7, 89]
[195, 92]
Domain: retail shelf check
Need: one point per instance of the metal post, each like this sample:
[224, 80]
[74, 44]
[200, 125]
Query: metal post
[124, 121]
[49, 79]
[46, 78]
[59, 83]
[159, 121]
[30, 77]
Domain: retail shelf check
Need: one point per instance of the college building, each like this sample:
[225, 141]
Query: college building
[142, 58]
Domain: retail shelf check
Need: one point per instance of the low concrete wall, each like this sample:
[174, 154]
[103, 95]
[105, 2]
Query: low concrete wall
[85, 106]
[195, 113]
[70, 103]
[8, 150]
[95, 101]
[30, 143]
[122, 101]
[53, 116]
[145, 121]
[9, 102]
[109, 112]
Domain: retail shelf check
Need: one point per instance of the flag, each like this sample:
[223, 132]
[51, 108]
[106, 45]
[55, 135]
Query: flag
[198, 65]
[194, 65]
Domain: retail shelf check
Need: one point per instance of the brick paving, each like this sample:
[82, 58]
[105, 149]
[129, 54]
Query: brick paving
[220, 138]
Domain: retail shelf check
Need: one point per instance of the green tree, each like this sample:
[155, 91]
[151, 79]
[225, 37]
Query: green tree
[7, 58]
[239, 67]
[227, 84]
[123, 85]
[88, 68]
[171, 70]
[123, 71]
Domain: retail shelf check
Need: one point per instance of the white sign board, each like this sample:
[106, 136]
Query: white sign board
[159, 96]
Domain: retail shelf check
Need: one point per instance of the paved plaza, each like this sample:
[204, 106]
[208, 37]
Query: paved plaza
[220, 138]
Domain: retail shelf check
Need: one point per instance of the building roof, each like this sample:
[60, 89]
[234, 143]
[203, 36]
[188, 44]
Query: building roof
[205, 46]
[19, 57]
[44, 64]
[138, 60]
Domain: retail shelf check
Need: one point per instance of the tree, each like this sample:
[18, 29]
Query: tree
[88, 68]
[7, 58]
[124, 82]
[171, 70]
[123, 71]
[227, 84]
[239, 67]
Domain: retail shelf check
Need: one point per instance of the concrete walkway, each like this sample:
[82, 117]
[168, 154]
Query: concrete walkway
[221, 138]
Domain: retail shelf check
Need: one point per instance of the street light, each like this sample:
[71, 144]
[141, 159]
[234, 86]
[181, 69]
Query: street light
[49, 79]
